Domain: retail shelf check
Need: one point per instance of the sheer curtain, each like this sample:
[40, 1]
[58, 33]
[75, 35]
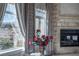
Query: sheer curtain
[20, 16]
[2, 11]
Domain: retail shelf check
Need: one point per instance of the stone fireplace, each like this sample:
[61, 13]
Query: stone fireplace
[67, 32]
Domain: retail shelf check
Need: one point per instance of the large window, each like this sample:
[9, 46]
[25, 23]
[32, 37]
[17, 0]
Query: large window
[10, 35]
[41, 22]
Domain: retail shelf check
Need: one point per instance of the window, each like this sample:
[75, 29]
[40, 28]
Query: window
[41, 22]
[10, 34]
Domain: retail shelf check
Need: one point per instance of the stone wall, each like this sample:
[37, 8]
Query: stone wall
[67, 14]
[52, 13]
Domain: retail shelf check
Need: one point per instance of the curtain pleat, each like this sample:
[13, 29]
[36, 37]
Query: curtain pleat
[2, 11]
[20, 16]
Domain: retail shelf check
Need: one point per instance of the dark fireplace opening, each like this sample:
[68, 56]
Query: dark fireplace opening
[69, 37]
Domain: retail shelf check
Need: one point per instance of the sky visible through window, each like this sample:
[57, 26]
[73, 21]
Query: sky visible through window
[10, 13]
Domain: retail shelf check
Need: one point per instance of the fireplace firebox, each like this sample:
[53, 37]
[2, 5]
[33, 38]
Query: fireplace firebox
[69, 37]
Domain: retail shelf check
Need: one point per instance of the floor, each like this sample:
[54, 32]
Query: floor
[21, 53]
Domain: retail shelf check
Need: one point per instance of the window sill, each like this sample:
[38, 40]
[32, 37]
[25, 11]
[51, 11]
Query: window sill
[10, 50]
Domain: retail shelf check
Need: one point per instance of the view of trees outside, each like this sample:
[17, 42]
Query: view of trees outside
[10, 35]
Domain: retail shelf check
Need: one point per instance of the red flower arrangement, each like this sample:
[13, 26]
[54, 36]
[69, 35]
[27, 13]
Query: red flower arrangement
[41, 41]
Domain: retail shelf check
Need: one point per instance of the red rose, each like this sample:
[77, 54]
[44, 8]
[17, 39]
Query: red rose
[43, 36]
[47, 37]
[35, 38]
[46, 43]
[51, 37]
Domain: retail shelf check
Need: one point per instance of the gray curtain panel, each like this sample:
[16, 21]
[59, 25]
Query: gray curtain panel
[2, 11]
[25, 14]
[30, 17]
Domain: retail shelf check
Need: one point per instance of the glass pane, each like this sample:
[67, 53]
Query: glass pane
[37, 23]
[11, 8]
[43, 28]
[8, 18]
[41, 21]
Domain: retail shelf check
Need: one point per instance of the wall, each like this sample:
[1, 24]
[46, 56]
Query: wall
[67, 14]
